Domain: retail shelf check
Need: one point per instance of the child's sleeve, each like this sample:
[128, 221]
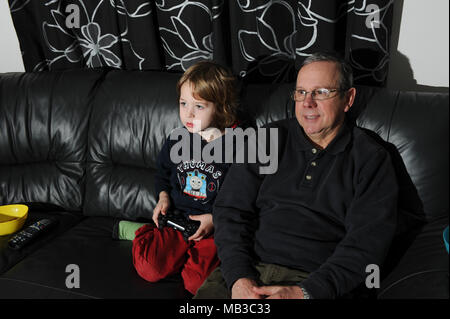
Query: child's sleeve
[164, 169]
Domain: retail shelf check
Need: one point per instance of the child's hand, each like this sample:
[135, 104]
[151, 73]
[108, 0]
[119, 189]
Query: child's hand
[162, 206]
[206, 226]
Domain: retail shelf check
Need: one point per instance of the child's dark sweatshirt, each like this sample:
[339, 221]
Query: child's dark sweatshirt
[191, 182]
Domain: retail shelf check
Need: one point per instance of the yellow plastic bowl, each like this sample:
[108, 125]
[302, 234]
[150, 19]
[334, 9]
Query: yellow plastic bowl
[12, 218]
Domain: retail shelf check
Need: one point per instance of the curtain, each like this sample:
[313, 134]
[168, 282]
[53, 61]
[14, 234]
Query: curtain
[262, 41]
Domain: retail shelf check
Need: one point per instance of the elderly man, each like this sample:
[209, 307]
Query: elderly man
[311, 229]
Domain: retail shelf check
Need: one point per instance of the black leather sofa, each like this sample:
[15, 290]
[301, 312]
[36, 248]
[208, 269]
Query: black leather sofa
[81, 146]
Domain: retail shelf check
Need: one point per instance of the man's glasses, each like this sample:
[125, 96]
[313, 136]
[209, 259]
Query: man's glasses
[316, 95]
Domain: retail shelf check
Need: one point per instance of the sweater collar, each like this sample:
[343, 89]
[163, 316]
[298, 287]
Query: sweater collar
[336, 146]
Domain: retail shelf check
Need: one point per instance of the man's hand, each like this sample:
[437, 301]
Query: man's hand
[244, 289]
[206, 226]
[279, 292]
[162, 206]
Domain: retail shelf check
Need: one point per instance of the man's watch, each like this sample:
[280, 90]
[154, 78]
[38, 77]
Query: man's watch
[306, 295]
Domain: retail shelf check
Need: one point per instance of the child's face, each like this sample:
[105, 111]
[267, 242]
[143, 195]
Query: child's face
[195, 114]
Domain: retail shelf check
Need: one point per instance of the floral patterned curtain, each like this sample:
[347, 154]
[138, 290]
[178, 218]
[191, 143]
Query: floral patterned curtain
[260, 40]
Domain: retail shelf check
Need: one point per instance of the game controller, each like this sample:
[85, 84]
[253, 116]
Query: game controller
[178, 221]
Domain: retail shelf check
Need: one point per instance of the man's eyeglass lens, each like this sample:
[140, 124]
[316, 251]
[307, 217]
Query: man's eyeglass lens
[317, 94]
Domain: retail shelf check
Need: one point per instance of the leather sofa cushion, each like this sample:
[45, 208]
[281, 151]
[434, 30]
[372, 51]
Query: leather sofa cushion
[419, 130]
[9, 257]
[44, 119]
[423, 270]
[105, 265]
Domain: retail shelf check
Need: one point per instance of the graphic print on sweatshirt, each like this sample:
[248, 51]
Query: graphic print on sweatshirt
[198, 179]
[195, 184]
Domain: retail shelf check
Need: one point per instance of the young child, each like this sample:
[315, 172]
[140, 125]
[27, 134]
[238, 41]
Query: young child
[207, 102]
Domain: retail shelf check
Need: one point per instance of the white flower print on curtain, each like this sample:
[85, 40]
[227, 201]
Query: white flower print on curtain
[95, 46]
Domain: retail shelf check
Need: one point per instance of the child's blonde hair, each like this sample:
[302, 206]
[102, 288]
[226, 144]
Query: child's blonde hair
[214, 83]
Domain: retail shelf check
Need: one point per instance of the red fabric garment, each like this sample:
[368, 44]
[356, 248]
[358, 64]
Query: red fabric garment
[161, 253]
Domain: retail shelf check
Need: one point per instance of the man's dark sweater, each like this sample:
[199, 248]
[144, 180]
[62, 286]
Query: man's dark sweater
[328, 212]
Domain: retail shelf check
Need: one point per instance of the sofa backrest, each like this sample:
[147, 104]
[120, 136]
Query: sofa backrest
[416, 123]
[65, 134]
[43, 131]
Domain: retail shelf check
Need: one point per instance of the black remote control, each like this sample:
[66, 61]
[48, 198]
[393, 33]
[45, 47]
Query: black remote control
[28, 234]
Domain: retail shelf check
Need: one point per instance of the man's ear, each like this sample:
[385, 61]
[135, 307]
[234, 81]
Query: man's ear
[350, 98]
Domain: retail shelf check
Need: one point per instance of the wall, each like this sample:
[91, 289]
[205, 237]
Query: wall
[10, 56]
[419, 46]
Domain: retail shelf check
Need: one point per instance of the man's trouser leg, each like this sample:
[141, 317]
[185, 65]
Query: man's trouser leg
[269, 275]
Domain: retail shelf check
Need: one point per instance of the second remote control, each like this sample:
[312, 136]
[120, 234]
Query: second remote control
[27, 235]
